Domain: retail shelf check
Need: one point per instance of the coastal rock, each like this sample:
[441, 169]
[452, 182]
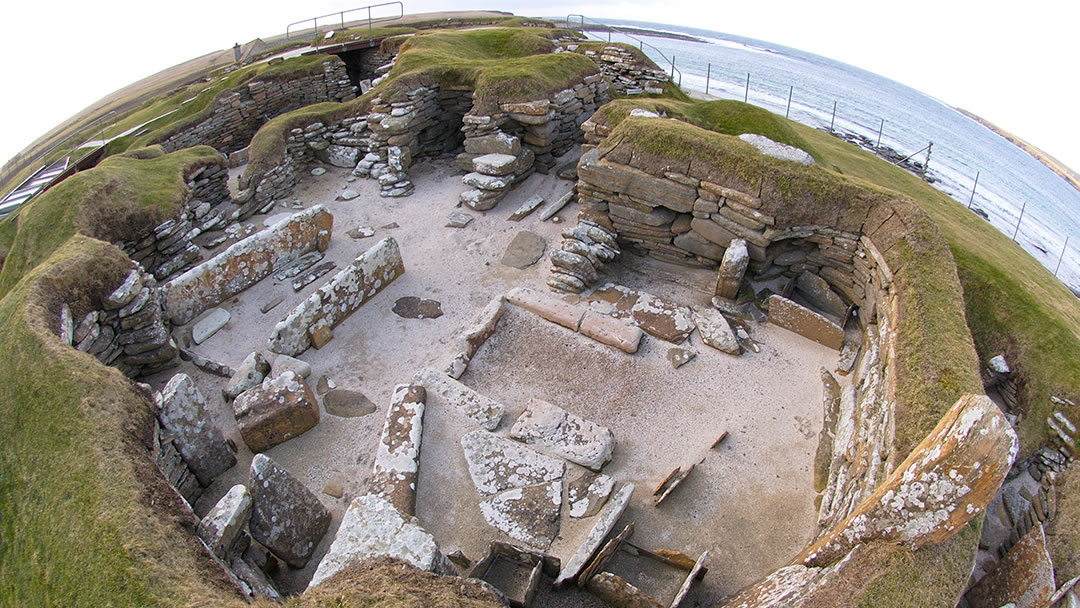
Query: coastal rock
[277, 410]
[286, 517]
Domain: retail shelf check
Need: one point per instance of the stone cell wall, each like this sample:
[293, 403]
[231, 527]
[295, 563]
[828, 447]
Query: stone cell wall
[168, 248]
[238, 114]
[627, 76]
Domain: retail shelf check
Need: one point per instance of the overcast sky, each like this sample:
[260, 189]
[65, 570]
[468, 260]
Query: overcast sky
[1012, 63]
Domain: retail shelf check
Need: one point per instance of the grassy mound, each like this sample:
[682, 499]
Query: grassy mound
[121, 199]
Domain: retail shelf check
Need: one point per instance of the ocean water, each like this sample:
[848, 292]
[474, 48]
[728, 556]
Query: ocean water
[1009, 178]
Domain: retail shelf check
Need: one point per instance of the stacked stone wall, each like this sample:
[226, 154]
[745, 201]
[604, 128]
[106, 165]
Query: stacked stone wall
[238, 114]
[626, 74]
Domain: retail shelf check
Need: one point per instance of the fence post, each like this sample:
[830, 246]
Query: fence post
[708, 74]
[673, 67]
[1018, 220]
[746, 97]
[880, 129]
[973, 191]
[926, 163]
[788, 111]
[1056, 268]
[833, 121]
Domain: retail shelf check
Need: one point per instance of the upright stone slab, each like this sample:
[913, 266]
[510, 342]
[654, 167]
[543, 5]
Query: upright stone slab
[249, 375]
[472, 338]
[372, 527]
[715, 330]
[604, 523]
[184, 413]
[732, 269]
[274, 412]
[805, 322]
[286, 517]
[1025, 576]
[224, 523]
[574, 438]
[340, 297]
[246, 263]
[397, 461]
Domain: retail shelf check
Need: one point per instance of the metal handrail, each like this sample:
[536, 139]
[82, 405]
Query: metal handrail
[641, 43]
[341, 15]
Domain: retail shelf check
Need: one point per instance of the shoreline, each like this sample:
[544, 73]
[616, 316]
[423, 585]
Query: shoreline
[629, 29]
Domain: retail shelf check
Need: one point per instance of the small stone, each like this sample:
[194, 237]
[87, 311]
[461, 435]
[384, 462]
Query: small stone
[458, 220]
[334, 489]
[679, 357]
[347, 404]
[361, 232]
[390, 226]
[271, 304]
[317, 171]
[285, 363]
[209, 325]
[321, 335]
[524, 250]
[250, 374]
[348, 195]
[412, 307]
[322, 386]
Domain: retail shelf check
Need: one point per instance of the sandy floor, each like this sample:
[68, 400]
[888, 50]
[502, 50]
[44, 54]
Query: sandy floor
[750, 503]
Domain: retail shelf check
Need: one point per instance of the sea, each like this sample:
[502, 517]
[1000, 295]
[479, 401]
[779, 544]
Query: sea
[1010, 181]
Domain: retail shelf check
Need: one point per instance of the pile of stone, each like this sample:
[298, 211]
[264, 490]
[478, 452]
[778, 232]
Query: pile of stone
[129, 332]
[168, 248]
[627, 74]
[551, 126]
[236, 115]
[586, 249]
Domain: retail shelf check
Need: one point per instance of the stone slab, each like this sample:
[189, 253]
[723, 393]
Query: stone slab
[1025, 576]
[286, 517]
[603, 526]
[524, 250]
[497, 464]
[475, 335]
[611, 331]
[715, 330]
[397, 459]
[529, 514]
[185, 414]
[279, 409]
[656, 316]
[587, 492]
[805, 322]
[347, 404]
[209, 325]
[486, 412]
[226, 520]
[551, 308]
[574, 438]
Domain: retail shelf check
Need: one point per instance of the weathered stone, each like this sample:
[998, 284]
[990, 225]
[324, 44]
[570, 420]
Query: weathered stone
[656, 316]
[497, 464]
[530, 205]
[805, 322]
[588, 492]
[67, 325]
[127, 291]
[250, 374]
[244, 264]
[472, 338]
[312, 275]
[412, 307]
[715, 330]
[575, 264]
[338, 298]
[496, 164]
[494, 143]
[488, 183]
[209, 325]
[658, 216]
[615, 591]
[206, 364]
[397, 460]
[321, 334]
[774, 149]
[680, 356]
[484, 411]
[347, 404]
[529, 514]
[285, 363]
[348, 195]
[345, 157]
[945, 482]
[458, 220]
[226, 520]
[698, 245]
[652, 191]
[317, 171]
[272, 304]
[480, 200]
[286, 517]
[524, 250]
[819, 294]
[611, 331]
[184, 413]
[277, 410]
[604, 523]
[550, 308]
[732, 269]
[372, 527]
[567, 434]
[361, 232]
[1024, 577]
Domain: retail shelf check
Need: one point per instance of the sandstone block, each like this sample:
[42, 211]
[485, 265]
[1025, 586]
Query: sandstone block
[277, 410]
[805, 322]
[226, 520]
[732, 269]
[497, 464]
[715, 330]
[250, 374]
[550, 308]
[397, 460]
[611, 331]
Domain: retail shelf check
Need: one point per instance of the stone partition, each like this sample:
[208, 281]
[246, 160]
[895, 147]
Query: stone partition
[237, 114]
[246, 263]
[314, 319]
[628, 76]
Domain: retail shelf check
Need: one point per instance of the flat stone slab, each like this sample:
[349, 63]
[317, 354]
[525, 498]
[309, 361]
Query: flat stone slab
[361, 232]
[486, 412]
[611, 331]
[458, 220]
[250, 374]
[285, 363]
[603, 526]
[473, 337]
[715, 330]
[347, 404]
[397, 460]
[286, 517]
[732, 269]
[495, 164]
[372, 527]
[569, 435]
[529, 514]
[524, 250]
[209, 325]
[818, 292]
[348, 195]
[656, 316]
[184, 413]
[497, 464]
[412, 307]
[531, 204]
[226, 520]
[805, 322]
[587, 493]
[1024, 577]
[774, 149]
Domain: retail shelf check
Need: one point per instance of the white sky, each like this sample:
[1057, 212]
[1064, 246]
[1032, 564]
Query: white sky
[1012, 63]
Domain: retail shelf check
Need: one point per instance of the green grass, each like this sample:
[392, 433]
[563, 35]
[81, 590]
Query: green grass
[120, 199]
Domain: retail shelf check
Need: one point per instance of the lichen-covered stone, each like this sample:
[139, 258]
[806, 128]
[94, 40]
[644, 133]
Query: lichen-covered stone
[715, 330]
[277, 410]
[1024, 577]
[529, 514]
[286, 517]
[486, 412]
[397, 459]
[604, 523]
[226, 520]
[497, 464]
[332, 303]
[184, 413]
[567, 434]
[472, 338]
[805, 322]
[250, 374]
[732, 269]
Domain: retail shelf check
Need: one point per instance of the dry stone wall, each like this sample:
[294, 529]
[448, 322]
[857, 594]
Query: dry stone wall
[627, 75]
[238, 114]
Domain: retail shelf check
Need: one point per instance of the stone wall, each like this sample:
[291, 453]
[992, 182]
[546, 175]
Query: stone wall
[627, 75]
[168, 247]
[237, 114]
